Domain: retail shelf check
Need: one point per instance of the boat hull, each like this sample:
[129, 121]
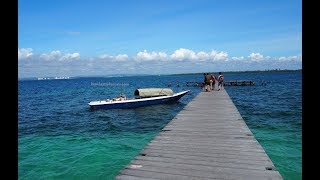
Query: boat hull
[137, 102]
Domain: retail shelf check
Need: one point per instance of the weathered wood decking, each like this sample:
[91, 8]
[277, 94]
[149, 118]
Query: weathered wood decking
[208, 139]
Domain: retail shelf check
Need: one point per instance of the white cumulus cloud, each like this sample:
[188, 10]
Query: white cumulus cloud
[238, 58]
[105, 56]
[70, 56]
[202, 56]
[290, 58]
[218, 56]
[146, 56]
[52, 55]
[121, 57]
[24, 53]
[183, 54]
[163, 56]
[255, 57]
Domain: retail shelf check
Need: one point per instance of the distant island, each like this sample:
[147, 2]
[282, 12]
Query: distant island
[49, 78]
[248, 71]
[127, 75]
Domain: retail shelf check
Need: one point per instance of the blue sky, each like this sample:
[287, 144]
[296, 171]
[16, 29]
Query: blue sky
[102, 37]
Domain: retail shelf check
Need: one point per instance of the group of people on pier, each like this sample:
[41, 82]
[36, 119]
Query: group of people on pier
[210, 82]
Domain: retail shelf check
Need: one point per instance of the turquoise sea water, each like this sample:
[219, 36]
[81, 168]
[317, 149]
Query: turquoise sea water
[59, 137]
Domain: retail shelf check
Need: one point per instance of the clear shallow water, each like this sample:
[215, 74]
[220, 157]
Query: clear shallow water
[60, 137]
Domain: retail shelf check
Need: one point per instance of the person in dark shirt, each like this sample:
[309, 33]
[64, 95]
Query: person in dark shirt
[207, 83]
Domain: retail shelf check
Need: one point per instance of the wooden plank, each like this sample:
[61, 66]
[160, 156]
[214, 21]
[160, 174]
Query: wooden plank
[208, 139]
[216, 162]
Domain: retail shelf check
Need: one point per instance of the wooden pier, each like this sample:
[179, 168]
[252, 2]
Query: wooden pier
[208, 139]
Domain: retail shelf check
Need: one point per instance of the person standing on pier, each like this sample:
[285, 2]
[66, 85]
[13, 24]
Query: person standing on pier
[204, 81]
[213, 82]
[207, 82]
[220, 81]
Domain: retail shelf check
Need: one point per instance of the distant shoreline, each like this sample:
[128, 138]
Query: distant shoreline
[252, 71]
[197, 73]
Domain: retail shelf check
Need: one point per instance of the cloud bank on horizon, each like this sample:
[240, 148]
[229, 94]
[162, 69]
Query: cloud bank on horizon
[181, 60]
[82, 38]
